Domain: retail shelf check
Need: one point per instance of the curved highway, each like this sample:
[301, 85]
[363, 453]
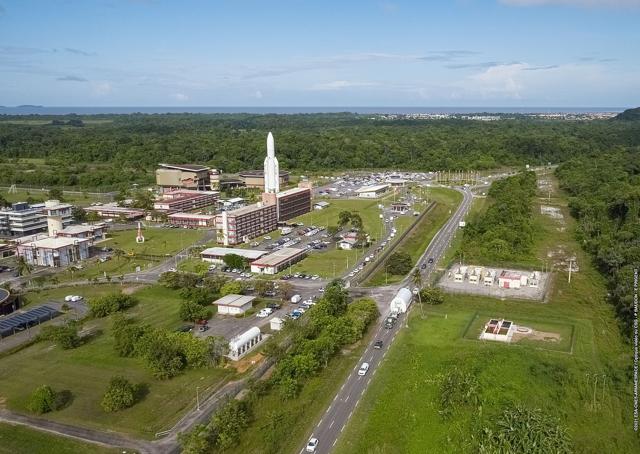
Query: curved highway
[337, 415]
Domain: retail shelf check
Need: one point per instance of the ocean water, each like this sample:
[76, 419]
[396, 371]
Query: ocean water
[46, 110]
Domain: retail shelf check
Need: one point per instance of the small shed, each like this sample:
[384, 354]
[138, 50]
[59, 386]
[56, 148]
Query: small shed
[234, 304]
[401, 302]
[347, 243]
[320, 205]
[276, 323]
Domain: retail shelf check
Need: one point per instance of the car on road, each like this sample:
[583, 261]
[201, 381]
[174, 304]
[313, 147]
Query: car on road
[363, 369]
[430, 260]
[424, 266]
[378, 344]
[172, 270]
[312, 445]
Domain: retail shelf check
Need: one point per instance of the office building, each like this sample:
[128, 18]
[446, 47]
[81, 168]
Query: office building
[243, 224]
[180, 200]
[183, 176]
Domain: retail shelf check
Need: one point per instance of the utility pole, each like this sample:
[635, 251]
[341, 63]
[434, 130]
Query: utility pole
[570, 268]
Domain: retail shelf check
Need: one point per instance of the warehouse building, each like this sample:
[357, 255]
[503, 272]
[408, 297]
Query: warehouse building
[191, 220]
[372, 192]
[183, 176]
[180, 200]
[234, 304]
[241, 225]
[278, 260]
[217, 254]
[255, 178]
[54, 252]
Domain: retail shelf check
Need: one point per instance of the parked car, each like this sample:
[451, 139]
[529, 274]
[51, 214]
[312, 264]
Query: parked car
[295, 299]
[274, 306]
[172, 270]
[363, 369]
[264, 312]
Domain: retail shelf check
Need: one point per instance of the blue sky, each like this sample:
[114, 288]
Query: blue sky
[320, 53]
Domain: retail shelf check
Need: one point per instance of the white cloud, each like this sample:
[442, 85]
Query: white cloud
[341, 84]
[102, 88]
[180, 97]
[582, 3]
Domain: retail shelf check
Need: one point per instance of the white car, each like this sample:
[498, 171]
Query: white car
[68, 298]
[264, 312]
[363, 369]
[172, 270]
[312, 445]
[76, 298]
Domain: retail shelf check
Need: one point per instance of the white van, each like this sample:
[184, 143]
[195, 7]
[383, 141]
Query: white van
[296, 299]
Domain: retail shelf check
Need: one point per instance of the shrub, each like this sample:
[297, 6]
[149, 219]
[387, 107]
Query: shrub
[398, 263]
[431, 295]
[109, 304]
[191, 311]
[120, 394]
[230, 288]
[43, 400]
[64, 335]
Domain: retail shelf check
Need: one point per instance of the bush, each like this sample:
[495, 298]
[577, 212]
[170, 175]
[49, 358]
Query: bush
[191, 311]
[43, 400]
[64, 335]
[458, 389]
[163, 355]
[229, 422]
[176, 280]
[399, 263]
[120, 394]
[127, 335]
[109, 304]
[431, 295]
[231, 288]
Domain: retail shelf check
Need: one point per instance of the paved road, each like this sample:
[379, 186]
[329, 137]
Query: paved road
[336, 417]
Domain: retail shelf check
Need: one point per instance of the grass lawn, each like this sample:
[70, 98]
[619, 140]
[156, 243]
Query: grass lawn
[405, 392]
[20, 439]
[297, 417]
[86, 371]
[158, 242]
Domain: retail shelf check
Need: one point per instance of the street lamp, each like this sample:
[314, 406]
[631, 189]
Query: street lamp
[198, 398]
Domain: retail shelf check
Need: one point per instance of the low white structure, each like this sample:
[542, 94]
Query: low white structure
[372, 192]
[278, 260]
[498, 330]
[320, 205]
[401, 302]
[347, 243]
[276, 323]
[243, 343]
[54, 252]
[216, 254]
[510, 279]
[234, 304]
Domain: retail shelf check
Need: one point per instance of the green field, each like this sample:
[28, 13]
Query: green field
[22, 440]
[72, 198]
[86, 371]
[558, 378]
[158, 245]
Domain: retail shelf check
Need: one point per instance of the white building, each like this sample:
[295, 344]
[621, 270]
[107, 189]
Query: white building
[347, 243]
[278, 260]
[401, 302]
[54, 252]
[372, 192]
[498, 330]
[217, 254]
[234, 304]
[243, 343]
[321, 205]
[510, 279]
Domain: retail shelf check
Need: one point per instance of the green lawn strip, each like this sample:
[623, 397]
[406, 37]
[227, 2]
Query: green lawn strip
[19, 439]
[81, 199]
[86, 371]
[299, 415]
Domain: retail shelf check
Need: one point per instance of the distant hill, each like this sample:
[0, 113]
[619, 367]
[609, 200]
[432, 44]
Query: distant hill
[629, 114]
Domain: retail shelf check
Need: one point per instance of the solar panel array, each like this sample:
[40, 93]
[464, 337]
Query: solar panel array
[8, 325]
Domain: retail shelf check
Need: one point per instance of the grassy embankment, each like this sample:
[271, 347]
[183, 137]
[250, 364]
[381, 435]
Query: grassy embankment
[417, 241]
[400, 411]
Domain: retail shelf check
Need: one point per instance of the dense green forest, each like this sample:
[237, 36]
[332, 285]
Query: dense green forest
[110, 150]
[505, 232]
[605, 199]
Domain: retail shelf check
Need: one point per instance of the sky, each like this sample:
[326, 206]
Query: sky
[560, 53]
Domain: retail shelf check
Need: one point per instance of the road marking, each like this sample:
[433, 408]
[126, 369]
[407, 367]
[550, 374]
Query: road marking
[330, 425]
[368, 381]
[334, 442]
[345, 401]
[362, 392]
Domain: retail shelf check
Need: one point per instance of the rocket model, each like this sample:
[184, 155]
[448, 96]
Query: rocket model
[271, 168]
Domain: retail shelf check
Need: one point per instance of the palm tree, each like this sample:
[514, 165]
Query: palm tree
[416, 279]
[23, 266]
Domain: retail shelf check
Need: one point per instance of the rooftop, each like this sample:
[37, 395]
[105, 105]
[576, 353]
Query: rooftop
[247, 209]
[187, 167]
[250, 254]
[279, 256]
[54, 243]
[204, 217]
[373, 188]
[292, 191]
[234, 300]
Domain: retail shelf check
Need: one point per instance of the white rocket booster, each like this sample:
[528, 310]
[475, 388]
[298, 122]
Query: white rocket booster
[271, 168]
